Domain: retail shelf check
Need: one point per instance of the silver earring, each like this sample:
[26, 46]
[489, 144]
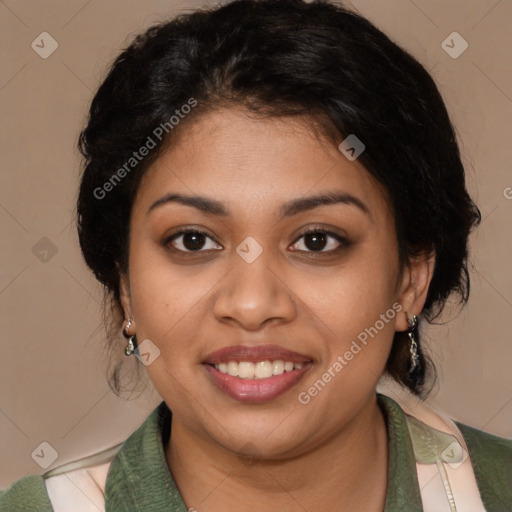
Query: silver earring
[130, 347]
[128, 325]
[413, 349]
[132, 340]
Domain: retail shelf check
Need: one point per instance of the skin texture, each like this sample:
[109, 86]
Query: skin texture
[330, 454]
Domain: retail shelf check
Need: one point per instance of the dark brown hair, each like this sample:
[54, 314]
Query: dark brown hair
[281, 58]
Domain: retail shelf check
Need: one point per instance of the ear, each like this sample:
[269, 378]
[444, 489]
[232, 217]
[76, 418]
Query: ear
[415, 283]
[125, 294]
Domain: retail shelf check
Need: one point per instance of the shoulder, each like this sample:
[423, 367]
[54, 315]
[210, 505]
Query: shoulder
[491, 457]
[77, 485]
[27, 493]
[499, 449]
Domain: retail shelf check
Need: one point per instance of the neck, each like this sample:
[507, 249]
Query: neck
[347, 471]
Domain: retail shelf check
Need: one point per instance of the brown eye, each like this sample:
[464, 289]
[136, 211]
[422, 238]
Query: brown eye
[193, 240]
[316, 240]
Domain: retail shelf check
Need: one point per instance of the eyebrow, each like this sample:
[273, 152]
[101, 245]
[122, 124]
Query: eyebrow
[287, 209]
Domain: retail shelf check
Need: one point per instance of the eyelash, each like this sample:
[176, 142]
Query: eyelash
[344, 242]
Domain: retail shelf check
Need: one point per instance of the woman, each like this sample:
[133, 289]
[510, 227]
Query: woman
[274, 199]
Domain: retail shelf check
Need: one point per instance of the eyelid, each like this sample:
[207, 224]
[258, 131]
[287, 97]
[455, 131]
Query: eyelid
[343, 240]
[183, 231]
[321, 229]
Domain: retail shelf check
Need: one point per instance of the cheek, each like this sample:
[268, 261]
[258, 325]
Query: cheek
[158, 295]
[168, 310]
[353, 297]
[360, 317]
[170, 304]
[356, 304]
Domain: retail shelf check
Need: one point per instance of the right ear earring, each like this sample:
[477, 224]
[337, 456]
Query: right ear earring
[131, 346]
[132, 341]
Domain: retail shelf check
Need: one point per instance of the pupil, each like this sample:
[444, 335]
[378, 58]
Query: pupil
[197, 242]
[318, 241]
[194, 241]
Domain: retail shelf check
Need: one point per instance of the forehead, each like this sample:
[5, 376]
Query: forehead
[255, 164]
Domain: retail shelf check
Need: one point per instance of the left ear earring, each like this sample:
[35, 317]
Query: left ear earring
[413, 349]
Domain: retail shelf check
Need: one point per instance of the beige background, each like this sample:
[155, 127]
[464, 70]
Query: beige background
[52, 380]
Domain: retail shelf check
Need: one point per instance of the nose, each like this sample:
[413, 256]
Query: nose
[255, 294]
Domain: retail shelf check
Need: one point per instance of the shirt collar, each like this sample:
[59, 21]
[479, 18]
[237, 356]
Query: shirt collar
[403, 491]
[139, 478]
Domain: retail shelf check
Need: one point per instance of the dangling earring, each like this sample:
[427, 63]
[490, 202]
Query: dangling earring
[132, 341]
[413, 349]
[131, 346]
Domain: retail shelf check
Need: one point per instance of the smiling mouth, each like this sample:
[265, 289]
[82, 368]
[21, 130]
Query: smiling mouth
[253, 389]
[255, 374]
[257, 370]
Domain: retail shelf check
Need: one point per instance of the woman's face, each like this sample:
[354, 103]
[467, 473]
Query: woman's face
[254, 293]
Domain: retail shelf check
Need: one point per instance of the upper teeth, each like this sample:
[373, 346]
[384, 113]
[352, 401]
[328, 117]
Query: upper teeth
[259, 370]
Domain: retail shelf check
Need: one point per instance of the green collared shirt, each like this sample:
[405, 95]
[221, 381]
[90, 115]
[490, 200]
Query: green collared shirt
[139, 479]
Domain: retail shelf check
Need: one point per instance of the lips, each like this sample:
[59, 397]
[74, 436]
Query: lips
[255, 390]
[254, 354]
